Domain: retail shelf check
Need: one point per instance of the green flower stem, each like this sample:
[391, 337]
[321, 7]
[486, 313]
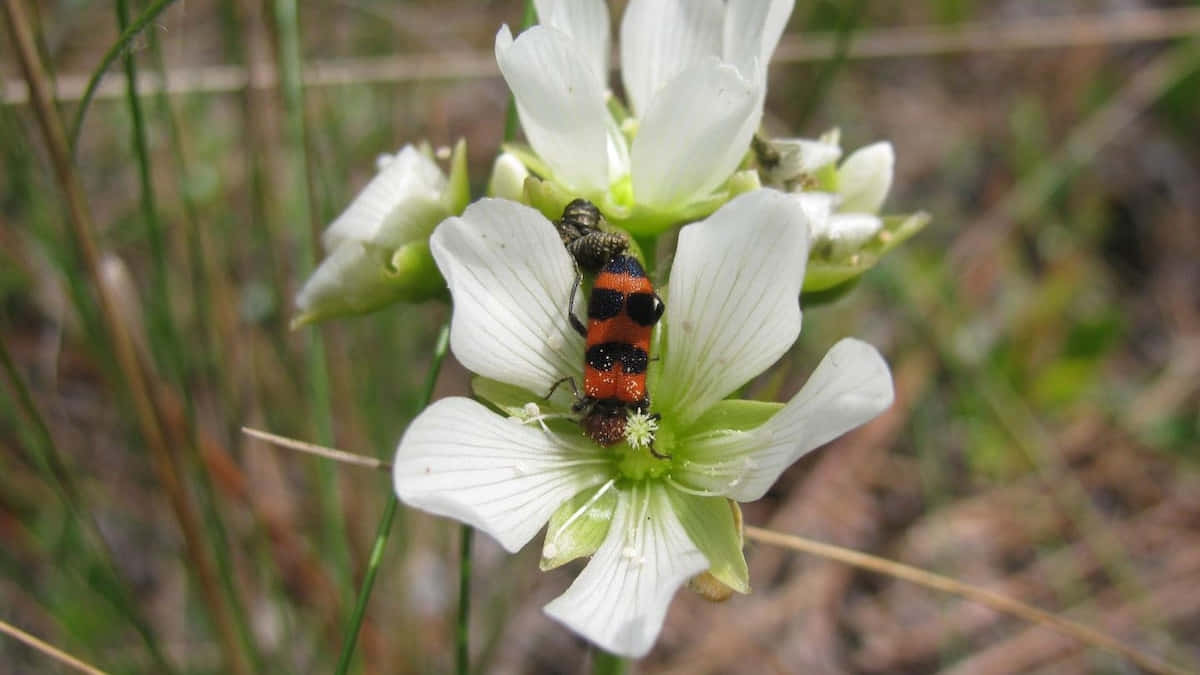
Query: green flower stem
[604, 663]
[441, 347]
[462, 652]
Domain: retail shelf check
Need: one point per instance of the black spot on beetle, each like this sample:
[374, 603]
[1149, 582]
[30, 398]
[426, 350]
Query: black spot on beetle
[605, 303]
[644, 308]
[605, 355]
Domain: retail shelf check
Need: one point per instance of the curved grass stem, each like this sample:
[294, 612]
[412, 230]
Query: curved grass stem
[127, 34]
[441, 347]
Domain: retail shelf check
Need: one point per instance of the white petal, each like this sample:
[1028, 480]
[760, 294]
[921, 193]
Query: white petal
[752, 31]
[818, 207]
[620, 599]
[459, 459]
[696, 132]
[561, 103]
[511, 280]
[345, 278]
[586, 23]
[662, 38]
[382, 213]
[733, 306]
[799, 156]
[508, 178]
[865, 178]
[847, 232]
[851, 385]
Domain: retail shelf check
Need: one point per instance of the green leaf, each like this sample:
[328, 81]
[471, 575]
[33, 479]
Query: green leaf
[823, 275]
[709, 521]
[579, 526]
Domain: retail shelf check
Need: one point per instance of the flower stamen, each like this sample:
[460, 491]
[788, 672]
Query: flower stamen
[530, 412]
[583, 509]
[640, 428]
[690, 490]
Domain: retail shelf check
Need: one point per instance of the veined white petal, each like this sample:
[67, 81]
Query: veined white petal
[733, 307]
[865, 178]
[847, 232]
[696, 132]
[511, 280]
[394, 206]
[851, 385]
[587, 24]
[752, 31]
[561, 103]
[662, 38]
[620, 599]
[461, 460]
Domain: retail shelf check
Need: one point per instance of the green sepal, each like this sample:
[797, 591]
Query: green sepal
[504, 397]
[547, 196]
[811, 299]
[732, 415]
[589, 523]
[458, 188]
[710, 523]
[644, 221]
[414, 273]
[742, 182]
[824, 274]
[377, 278]
[511, 399]
[827, 178]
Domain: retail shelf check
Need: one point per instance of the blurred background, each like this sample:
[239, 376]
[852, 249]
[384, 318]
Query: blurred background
[1044, 333]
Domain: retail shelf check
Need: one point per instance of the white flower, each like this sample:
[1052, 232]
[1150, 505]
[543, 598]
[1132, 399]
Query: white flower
[842, 202]
[649, 523]
[695, 73]
[378, 247]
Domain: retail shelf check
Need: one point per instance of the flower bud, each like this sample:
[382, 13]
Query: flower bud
[379, 246]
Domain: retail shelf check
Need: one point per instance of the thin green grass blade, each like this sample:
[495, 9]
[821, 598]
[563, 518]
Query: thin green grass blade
[175, 363]
[48, 458]
[111, 55]
[333, 529]
[848, 21]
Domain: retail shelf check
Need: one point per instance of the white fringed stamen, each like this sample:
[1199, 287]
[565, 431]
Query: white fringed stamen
[583, 509]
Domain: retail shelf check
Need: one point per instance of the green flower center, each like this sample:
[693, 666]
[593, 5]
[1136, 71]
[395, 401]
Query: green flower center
[648, 460]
